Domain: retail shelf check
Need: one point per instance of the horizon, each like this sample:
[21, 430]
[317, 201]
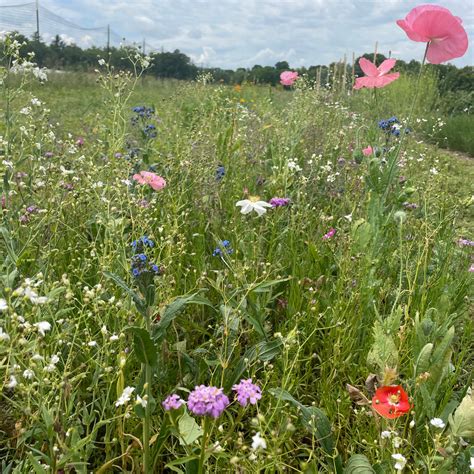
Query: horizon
[206, 30]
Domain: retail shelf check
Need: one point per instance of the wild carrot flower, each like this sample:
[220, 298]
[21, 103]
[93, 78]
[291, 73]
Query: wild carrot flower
[205, 400]
[391, 401]
[151, 179]
[438, 27]
[173, 402]
[288, 78]
[247, 392]
[376, 77]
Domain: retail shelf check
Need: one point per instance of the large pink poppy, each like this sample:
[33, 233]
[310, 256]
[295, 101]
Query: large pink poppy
[376, 76]
[153, 180]
[438, 26]
[288, 78]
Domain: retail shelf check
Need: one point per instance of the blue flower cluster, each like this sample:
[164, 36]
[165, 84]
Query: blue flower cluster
[142, 111]
[220, 172]
[392, 126]
[143, 115]
[224, 246]
[150, 130]
[140, 263]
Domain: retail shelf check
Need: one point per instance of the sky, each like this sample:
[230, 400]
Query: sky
[241, 33]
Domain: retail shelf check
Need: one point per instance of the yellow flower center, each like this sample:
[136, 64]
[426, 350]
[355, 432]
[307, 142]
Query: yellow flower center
[394, 399]
[254, 198]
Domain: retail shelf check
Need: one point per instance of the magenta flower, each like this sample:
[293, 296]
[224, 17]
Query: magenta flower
[279, 202]
[330, 234]
[173, 402]
[153, 180]
[288, 78]
[440, 28]
[471, 268]
[247, 392]
[376, 77]
[367, 151]
[80, 141]
[207, 401]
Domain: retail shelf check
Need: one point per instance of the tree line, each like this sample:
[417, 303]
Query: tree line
[177, 65]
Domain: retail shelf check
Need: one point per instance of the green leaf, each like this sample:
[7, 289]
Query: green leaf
[462, 423]
[189, 430]
[144, 347]
[423, 360]
[384, 352]
[139, 302]
[358, 464]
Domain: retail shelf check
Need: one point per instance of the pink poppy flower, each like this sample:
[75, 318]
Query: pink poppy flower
[440, 28]
[288, 78]
[153, 180]
[376, 76]
[367, 151]
[331, 233]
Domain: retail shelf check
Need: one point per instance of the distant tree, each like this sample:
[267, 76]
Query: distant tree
[282, 66]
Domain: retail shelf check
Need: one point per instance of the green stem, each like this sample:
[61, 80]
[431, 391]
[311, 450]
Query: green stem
[202, 457]
[146, 423]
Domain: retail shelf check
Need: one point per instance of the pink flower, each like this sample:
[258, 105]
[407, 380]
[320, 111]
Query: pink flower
[440, 28]
[471, 268]
[330, 234]
[80, 141]
[376, 76]
[367, 151]
[152, 179]
[288, 78]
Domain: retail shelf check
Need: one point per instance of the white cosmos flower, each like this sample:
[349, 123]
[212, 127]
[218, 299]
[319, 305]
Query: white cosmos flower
[258, 442]
[400, 461]
[437, 423]
[125, 397]
[253, 204]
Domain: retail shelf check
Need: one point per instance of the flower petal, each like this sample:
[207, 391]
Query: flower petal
[386, 66]
[368, 67]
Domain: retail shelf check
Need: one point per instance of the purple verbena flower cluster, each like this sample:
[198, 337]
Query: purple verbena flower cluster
[247, 392]
[205, 400]
[173, 402]
[279, 202]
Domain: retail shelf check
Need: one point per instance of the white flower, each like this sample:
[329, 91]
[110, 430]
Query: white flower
[397, 442]
[25, 111]
[42, 327]
[103, 330]
[92, 343]
[31, 295]
[101, 62]
[35, 101]
[253, 204]
[141, 401]
[13, 383]
[28, 374]
[386, 434]
[113, 337]
[54, 359]
[434, 171]
[472, 464]
[437, 423]
[3, 304]
[401, 461]
[125, 397]
[258, 442]
[40, 73]
[412, 424]
[37, 358]
[3, 336]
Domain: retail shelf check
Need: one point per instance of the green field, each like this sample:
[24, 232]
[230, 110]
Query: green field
[360, 279]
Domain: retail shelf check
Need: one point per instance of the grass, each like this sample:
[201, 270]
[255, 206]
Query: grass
[386, 299]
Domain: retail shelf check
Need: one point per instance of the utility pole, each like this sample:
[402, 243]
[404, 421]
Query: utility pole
[108, 39]
[143, 47]
[37, 21]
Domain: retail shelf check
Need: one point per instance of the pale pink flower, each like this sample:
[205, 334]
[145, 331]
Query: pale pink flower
[288, 78]
[437, 26]
[367, 151]
[376, 76]
[153, 180]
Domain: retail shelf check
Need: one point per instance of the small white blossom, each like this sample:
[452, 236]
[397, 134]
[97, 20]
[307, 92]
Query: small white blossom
[437, 423]
[125, 397]
[3, 304]
[141, 401]
[92, 343]
[400, 461]
[253, 204]
[42, 327]
[36, 102]
[28, 374]
[101, 62]
[386, 434]
[258, 442]
[4, 337]
[13, 382]
[412, 424]
[113, 337]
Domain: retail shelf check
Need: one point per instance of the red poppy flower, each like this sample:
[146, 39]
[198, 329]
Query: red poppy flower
[391, 401]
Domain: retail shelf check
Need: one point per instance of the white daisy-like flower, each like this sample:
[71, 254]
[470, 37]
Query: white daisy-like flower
[125, 397]
[4, 337]
[31, 295]
[253, 204]
[386, 434]
[43, 327]
[258, 442]
[437, 423]
[141, 401]
[400, 461]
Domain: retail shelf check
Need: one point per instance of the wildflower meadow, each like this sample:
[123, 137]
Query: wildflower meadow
[201, 278]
